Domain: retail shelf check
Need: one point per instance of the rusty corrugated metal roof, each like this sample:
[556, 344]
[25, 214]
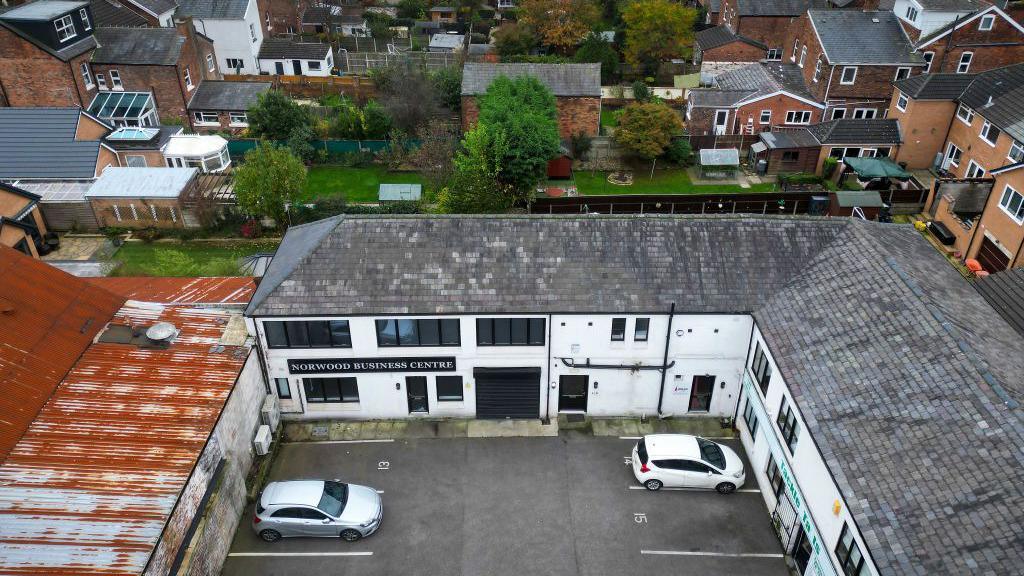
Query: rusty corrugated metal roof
[90, 485]
[47, 319]
[206, 290]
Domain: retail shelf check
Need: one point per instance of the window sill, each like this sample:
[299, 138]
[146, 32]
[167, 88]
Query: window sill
[207, 123]
[239, 124]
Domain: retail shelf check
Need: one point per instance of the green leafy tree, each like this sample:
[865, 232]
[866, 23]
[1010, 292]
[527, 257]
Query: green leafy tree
[414, 9]
[679, 152]
[300, 142]
[347, 121]
[270, 179]
[376, 124]
[275, 116]
[561, 24]
[522, 109]
[657, 30]
[594, 49]
[513, 39]
[647, 129]
[447, 84]
[475, 186]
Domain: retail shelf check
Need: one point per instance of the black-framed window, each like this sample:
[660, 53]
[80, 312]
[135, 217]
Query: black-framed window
[331, 390]
[641, 329]
[774, 476]
[308, 334]
[418, 332]
[449, 388]
[618, 329]
[849, 555]
[510, 332]
[788, 425]
[750, 418]
[762, 369]
[284, 391]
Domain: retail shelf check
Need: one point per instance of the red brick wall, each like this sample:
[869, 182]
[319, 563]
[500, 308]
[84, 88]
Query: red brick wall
[733, 52]
[283, 13]
[31, 77]
[575, 115]
[987, 54]
[701, 120]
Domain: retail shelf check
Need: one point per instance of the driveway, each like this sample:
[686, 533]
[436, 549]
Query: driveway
[565, 505]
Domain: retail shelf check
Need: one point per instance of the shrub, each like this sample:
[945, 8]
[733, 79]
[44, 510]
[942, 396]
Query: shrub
[148, 235]
[251, 228]
[679, 152]
[829, 167]
[581, 144]
[641, 93]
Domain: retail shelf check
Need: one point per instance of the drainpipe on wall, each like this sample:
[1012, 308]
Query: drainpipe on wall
[664, 361]
[547, 386]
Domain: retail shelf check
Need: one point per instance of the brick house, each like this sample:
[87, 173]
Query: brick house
[989, 38]
[280, 17]
[750, 100]
[999, 242]
[577, 90]
[924, 105]
[850, 58]
[766, 21]
[108, 13]
[804, 149]
[718, 50]
[22, 226]
[142, 197]
[923, 17]
[223, 105]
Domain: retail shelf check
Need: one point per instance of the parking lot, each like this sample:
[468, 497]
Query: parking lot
[566, 505]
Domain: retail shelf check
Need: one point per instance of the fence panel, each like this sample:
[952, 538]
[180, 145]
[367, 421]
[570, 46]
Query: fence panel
[238, 147]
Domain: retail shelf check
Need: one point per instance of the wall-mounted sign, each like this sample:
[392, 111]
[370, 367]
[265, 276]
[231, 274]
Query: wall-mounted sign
[333, 365]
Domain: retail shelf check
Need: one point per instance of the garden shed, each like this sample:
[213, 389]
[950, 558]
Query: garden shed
[844, 202]
[399, 192]
[719, 162]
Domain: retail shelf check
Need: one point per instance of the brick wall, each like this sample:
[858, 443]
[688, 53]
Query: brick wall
[1001, 46]
[283, 13]
[733, 52]
[32, 77]
[925, 124]
[224, 124]
[575, 115]
[154, 159]
[772, 31]
[968, 139]
[701, 121]
[997, 224]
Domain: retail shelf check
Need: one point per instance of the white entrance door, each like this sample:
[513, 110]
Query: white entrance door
[721, 121]
[952, 156]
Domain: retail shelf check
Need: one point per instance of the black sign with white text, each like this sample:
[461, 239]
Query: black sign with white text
[333, 365]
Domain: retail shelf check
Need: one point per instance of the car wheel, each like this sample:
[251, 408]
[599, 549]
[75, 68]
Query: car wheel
[270, 535]
[653, 484]
[350, 535]
[726, 488]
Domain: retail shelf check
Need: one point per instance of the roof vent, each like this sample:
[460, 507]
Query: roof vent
[161, 332]
[875, 20]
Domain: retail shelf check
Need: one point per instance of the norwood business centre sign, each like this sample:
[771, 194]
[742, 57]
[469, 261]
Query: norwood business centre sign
[333, 365]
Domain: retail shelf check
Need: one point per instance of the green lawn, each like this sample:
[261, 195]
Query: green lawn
[664, 182]
[186, 258]
[354, 184]
[609, 117]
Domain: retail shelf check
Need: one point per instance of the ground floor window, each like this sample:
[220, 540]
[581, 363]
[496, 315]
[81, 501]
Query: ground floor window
[449, 388]
[849, 555]
[788, 425]
[323, 390]
[284, 392]
[774, 476]
[751, 419]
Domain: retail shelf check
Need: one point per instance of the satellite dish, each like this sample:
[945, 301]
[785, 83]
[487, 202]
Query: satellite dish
[161, 331]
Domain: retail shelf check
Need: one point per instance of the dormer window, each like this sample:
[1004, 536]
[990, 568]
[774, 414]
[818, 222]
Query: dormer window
[911, 14]
[85, 19]
[65, 28]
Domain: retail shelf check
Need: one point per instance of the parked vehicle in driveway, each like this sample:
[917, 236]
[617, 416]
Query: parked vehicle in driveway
[320, 508]
[684, 461]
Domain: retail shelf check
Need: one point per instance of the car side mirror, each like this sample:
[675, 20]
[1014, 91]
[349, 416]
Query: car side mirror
[710, 473]
[327, 520]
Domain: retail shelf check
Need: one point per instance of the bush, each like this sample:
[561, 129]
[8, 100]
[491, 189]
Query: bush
[375, 121]
[829, 167]
[581, 144]
[447, 84]
[148, 235]
[300, 142]
[641, 93]
[251, 228]
[679, 152]
[799, 178]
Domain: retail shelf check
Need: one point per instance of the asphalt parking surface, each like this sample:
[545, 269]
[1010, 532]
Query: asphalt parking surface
[514, 506]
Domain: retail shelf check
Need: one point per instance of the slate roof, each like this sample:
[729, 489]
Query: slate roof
[1006, 88]
[714, 98]
[44, 9]
[766, 78]
[213, 9]
[227, 95]
[14, 20]
[853, 37]
[561, 79]
[951, 5]
[105, 13]
[777, 7]
[144, 46]
[1005, 292]
[858, 131]
[902, 373]
[285, 49]
[934, 86]
[720, 36]
[30, 139]
[156, 7]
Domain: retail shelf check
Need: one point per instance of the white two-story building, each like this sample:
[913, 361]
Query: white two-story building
[234, 27]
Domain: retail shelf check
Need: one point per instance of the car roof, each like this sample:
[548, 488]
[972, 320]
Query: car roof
[672, 446]
[301, 492]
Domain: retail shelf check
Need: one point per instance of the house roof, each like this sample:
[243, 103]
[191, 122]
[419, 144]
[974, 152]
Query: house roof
[856, 37]
[561, 79]
[777, 7]
[934, 86]
[720, 36]
[47, 319]
[766, 78]
[452, 41]
[951, 5]
[155, 7]
[858, 131]
[785, 138]
[30, 138]
[145, 46]
[11, 189]
[997, 95]
[213, 9]
[118, 441]
[160, 182]
[14, 19]
[163, 135]
[105, 13]
[227, 95]
[43, 9]
[175, 290]
[717, 98]
[1005, 292]
[285, 49]
[907, 380]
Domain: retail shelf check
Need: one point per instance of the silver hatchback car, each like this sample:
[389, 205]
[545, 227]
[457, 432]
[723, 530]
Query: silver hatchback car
[317, 508]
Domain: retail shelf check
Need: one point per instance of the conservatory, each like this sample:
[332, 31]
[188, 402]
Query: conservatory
[125, 108]
[209, 153]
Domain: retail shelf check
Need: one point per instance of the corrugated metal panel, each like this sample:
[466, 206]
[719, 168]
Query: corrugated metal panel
[47, 319]
[210, 290]
[91, 484]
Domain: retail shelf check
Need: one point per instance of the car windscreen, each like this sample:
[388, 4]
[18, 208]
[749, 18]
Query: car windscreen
[711, 453]
[333, 500]
[641, 450]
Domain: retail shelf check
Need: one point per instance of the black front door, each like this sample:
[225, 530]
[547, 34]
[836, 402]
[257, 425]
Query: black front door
[297, 67]
[572, 393]
[700, 393]
[802, 551]
[279, 68]
[416, 391]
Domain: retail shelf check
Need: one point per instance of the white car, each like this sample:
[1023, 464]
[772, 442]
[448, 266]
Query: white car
[684, 461]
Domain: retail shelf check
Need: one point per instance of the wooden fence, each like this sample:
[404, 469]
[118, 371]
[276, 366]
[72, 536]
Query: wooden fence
[312, 86]
[363, 62]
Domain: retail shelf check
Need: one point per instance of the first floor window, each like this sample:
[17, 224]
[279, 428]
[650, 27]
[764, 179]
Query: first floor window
[902, 72]
[838, 113]
[750, 418]
[210, 64]
[206, 117]
[322, 390]
[974, 170]
[953, 154]
[1012, 202]
[766, 117]
[618, 329]
[1016, 152]
[284, 391]
[65, 28]
[762, 369]
[774, 54]
[817, 69]
[510, 331]
[252, 32]
[788, 425]
[803, 56]
[421, 332]
[86, 75]
[965, 114]
[989, 132]
[640, 331]
[774, 476]
[928, 57]
[848, 553]
[911, 14]
[84, 14]
[864, 113]
[849, 75]
[449, 388]
[902, 101]
[308, 334]
[115, 80]
[796, 46]
[965, 63]
[101, 81]
[235, 63]
[798, 117]
[188, 79]
[986, 22]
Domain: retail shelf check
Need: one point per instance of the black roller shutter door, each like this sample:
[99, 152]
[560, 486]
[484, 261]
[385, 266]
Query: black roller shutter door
[507, 392]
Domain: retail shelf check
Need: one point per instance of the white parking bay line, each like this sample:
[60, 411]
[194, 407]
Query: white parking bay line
[344, 441]
[629, 437]
[714, 554]
[285, 554]
[746, 490]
